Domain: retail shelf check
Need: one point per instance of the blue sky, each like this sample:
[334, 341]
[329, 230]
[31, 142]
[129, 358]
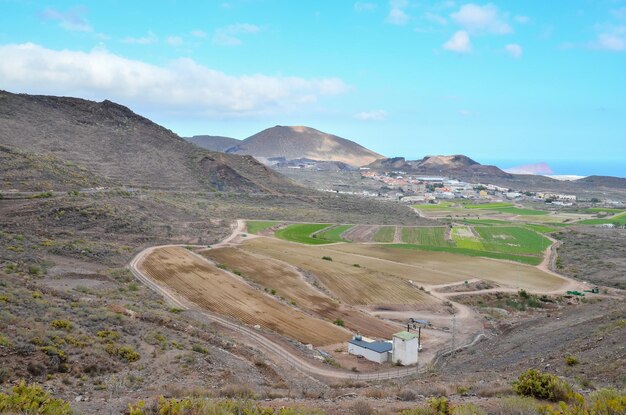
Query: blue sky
[504, 81]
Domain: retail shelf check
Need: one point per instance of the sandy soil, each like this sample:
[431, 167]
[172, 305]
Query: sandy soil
[361, 233]
[292, 285]
[215, 290]
[356, 280]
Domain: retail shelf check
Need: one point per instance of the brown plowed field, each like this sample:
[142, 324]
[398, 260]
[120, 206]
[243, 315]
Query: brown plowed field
[371, 282]
[442, 267]
[209, 287]
[290, 284]
[361, 233]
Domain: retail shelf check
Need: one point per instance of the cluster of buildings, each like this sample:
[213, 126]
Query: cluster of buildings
[402, 349]
[424, 189]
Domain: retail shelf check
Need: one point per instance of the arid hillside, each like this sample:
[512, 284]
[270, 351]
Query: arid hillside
[110, 141]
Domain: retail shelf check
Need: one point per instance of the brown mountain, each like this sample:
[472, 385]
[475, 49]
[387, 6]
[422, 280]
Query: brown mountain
[458, 165]
[304, 142]
[107, 143]
[213, 142]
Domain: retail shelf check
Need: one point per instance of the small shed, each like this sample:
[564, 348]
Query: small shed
[377, 351]
[405, 348]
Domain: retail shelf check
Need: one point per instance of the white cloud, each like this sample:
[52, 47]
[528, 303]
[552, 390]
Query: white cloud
[229, 35]
[481, 19]
[72, 19]
[611, 37]
[182, 86]
[374, 115]
[397, 15]
[611, 41]
[459, 42]
[432, 17]
[149, 39]
[522, 19]
[514, 50]
[199, 34]
[174, 40]
[465, 113]
[364, 6]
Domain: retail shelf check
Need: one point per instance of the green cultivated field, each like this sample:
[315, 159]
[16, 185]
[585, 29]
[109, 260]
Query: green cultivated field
[540, 228]
[255, 226]
[489, 206]
[513, 240]
[334, 234]
[432, 236]
[516, 243]
[385, 234]
[301, 233]
[619, 220]
[529, 260]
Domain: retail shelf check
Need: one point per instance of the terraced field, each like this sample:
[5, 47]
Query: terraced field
[255, 226]
[215, 290]
[334, 234]
[355, 279]
[618, 219]
[385, 234]
[302, 233]
[442, 267]
[431, 236]
[289, 284]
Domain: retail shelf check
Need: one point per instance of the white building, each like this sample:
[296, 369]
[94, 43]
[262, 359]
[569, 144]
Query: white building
[376, 351]
[405, 348]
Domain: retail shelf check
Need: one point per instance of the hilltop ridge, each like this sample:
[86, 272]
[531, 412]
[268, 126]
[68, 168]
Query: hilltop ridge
[298, 142]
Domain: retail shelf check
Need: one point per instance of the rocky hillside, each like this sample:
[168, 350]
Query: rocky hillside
[213, 142]
[456, 165]
[109, 143]
[304, 142]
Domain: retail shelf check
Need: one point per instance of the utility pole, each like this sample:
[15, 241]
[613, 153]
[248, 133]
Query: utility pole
[453, 331]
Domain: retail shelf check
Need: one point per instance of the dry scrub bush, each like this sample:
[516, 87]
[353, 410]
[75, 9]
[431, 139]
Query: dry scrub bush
[362, 408]
[491, 390]
[237, 391]
[376, 393]
[407, 395]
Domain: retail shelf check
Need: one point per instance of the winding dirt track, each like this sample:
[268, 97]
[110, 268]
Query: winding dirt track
[256, 338]
[267, 345]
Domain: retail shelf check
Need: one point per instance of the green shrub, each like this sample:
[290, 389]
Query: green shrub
[32, 400]
[62, 325]
[571, 360]
[608, 402]
[339, 322]
[108, 335]
[53, 351]
[126, 353]
[199, 349]
[327, 258]
[543, 386]
[4, 342]
[35, 270]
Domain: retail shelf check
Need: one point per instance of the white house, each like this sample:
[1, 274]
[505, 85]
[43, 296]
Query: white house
[377, 351]
[405, 348]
